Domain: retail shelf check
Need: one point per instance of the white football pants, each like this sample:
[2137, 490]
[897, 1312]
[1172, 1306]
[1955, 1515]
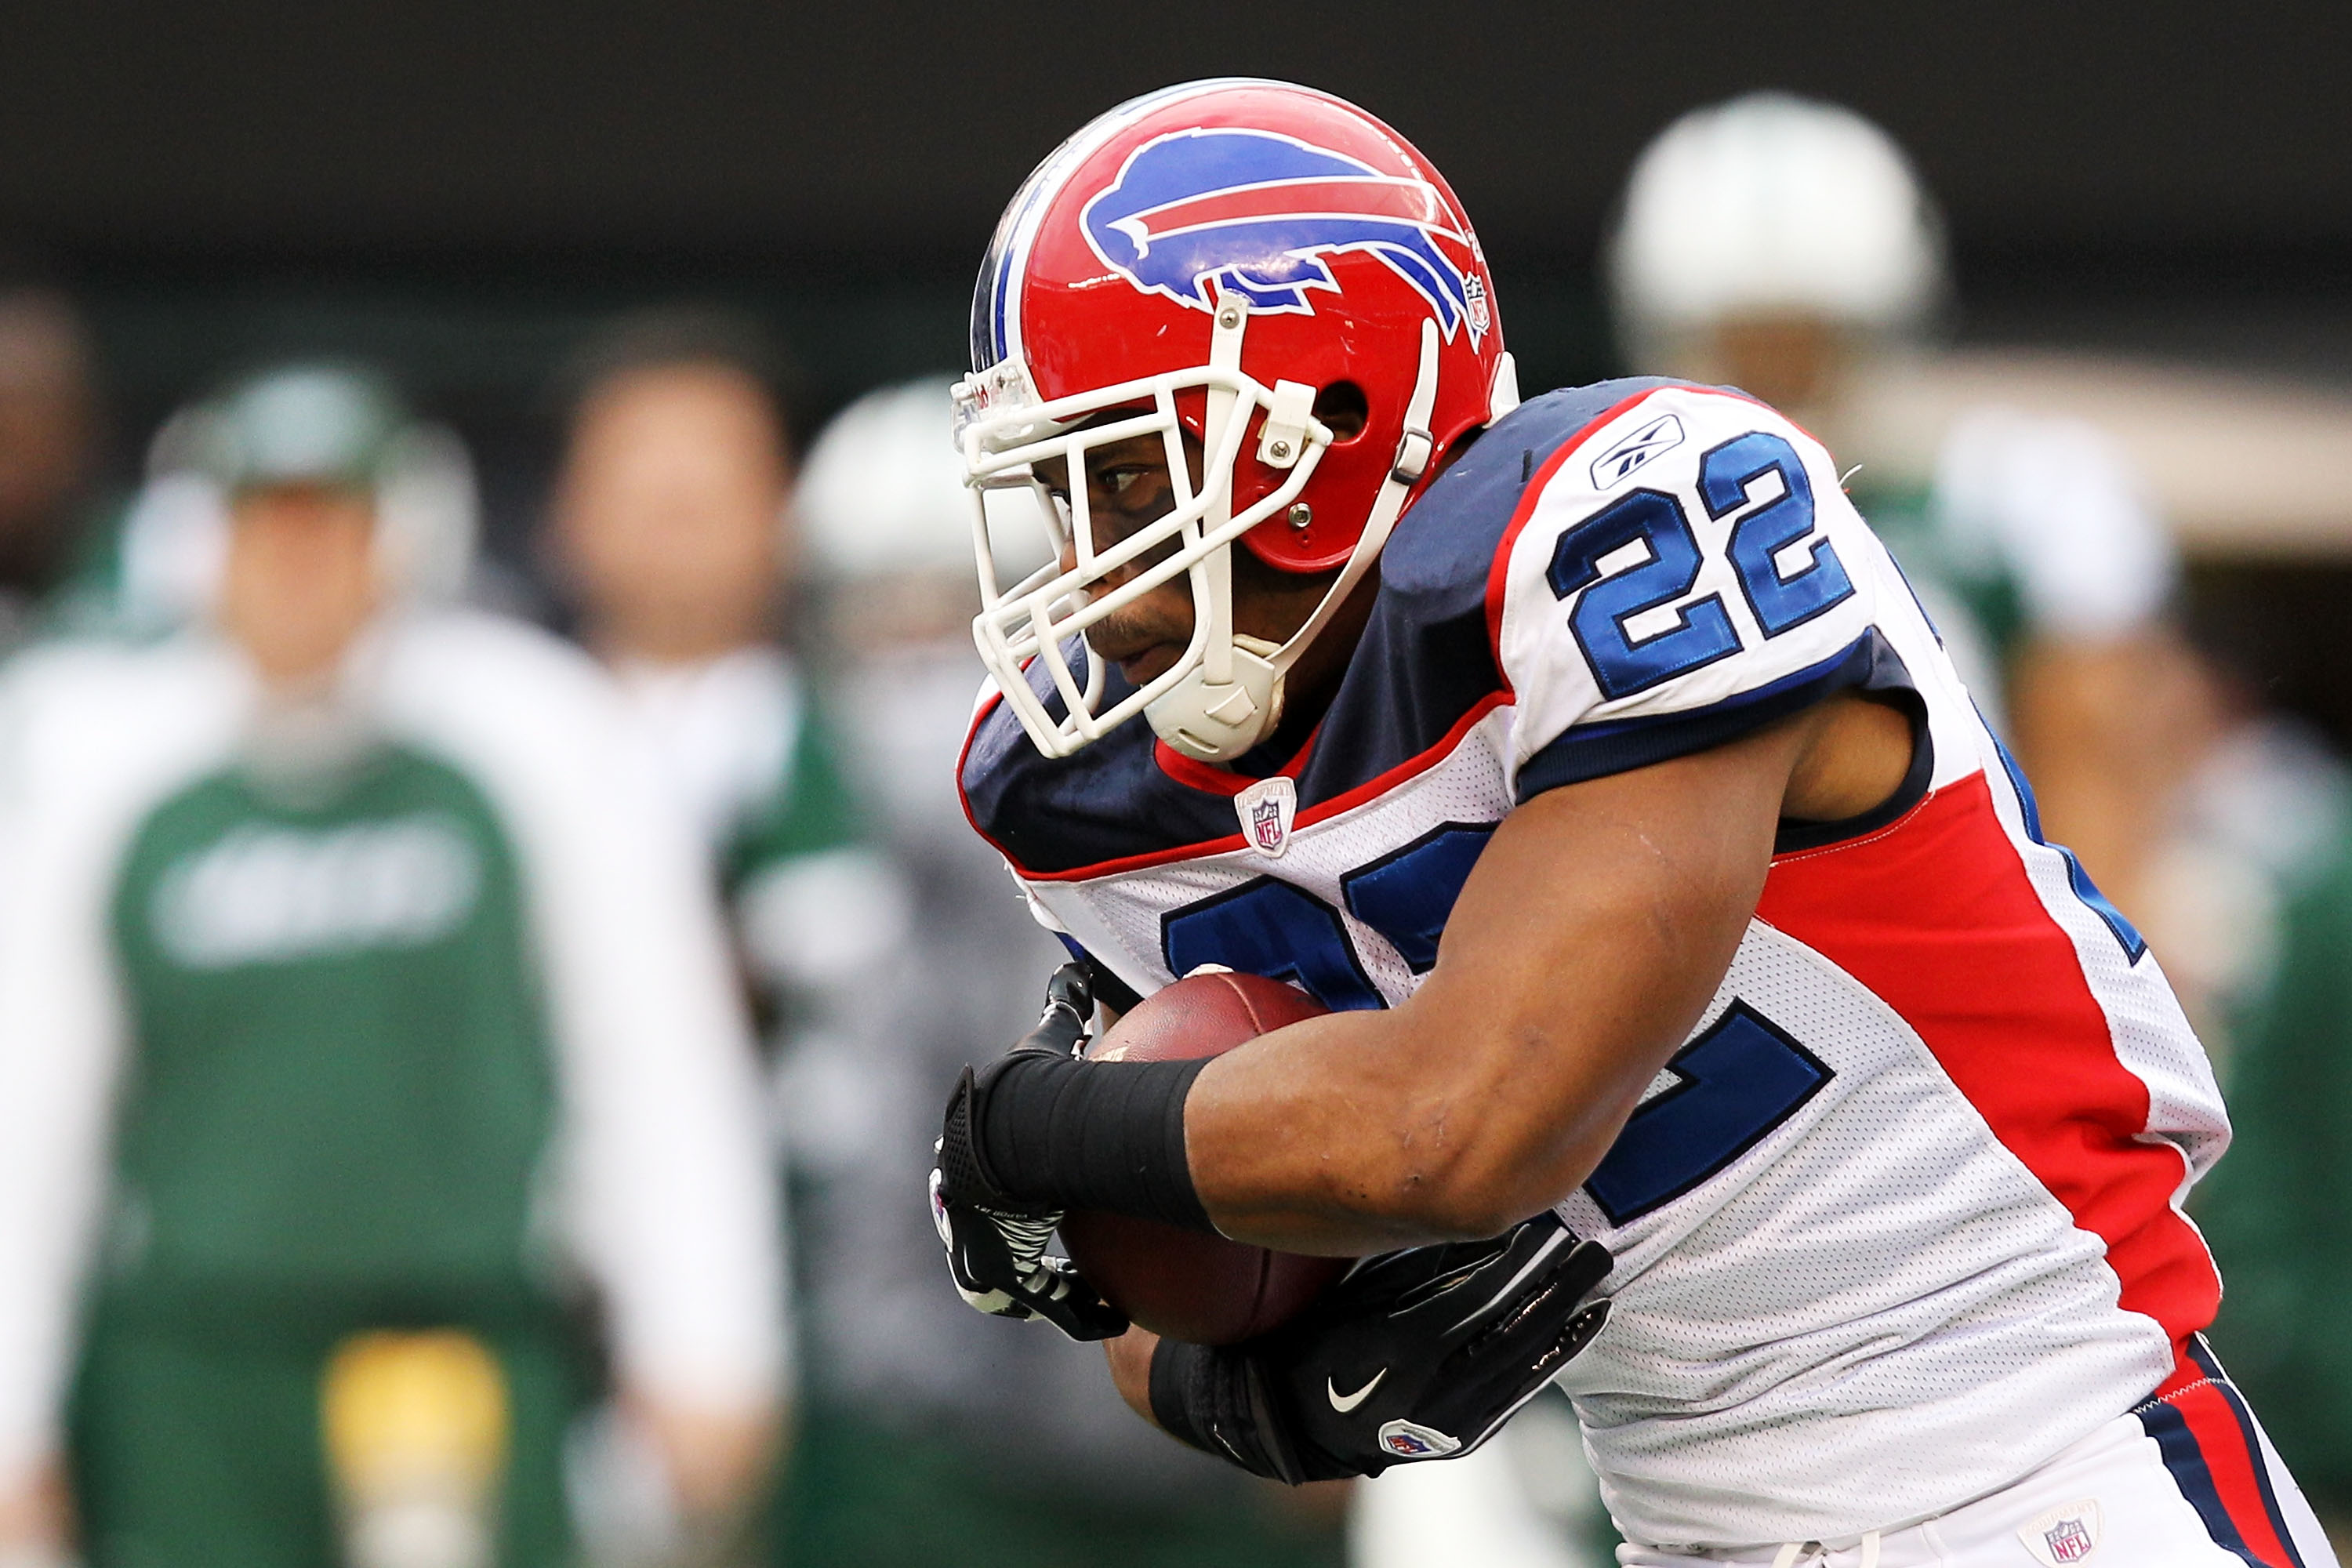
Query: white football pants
[2177, 1484]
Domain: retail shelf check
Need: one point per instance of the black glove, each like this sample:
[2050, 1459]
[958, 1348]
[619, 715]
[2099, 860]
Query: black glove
[1421, 1355]
[996, 1244]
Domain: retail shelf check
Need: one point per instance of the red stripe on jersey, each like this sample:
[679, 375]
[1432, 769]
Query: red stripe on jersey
[1937, 917]
[1308, 816]
[1216, 779]
[2215, 1453]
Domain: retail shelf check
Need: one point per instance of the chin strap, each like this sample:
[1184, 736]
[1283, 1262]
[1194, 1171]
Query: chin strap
[1214, 720]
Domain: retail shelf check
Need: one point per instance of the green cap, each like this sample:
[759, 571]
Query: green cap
[303, 425]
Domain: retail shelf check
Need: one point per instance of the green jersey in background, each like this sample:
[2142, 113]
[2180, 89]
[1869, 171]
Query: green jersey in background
[361, 1046]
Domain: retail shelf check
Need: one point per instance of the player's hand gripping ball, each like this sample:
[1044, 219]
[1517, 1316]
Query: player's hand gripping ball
[996, 1244]
[1202, 1290]
[1419, 1354]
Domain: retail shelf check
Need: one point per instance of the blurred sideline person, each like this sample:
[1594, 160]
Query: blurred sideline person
[356, 995]
[1782, 246]
[669, 535]
[163, 565]
[929, 1437]
[49, 439]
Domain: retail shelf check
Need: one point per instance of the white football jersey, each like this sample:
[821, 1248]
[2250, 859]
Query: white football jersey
[1902, 1219]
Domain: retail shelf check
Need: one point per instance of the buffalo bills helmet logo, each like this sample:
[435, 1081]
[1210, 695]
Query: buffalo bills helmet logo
[1254, 212]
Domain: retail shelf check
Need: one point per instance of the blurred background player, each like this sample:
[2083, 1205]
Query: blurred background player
[359, 1004]
[49, 433]
[157, 564]
[670, 538]
[1786, 247]
[928, 1438]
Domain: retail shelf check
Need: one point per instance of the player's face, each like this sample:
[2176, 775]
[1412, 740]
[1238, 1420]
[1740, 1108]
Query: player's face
[300, 582]
[1128, 487]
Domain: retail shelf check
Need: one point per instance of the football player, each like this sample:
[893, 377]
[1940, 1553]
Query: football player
[1712, 1027]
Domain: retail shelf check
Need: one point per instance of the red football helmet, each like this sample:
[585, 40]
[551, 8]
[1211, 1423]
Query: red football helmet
[1220, 257]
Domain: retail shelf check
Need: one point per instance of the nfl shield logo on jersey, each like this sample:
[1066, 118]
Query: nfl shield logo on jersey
[2063, 1535]
[1266, 809]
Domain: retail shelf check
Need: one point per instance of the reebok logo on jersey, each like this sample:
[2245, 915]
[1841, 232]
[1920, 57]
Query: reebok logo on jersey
[1655, 437]
[2063, 1535]
[1346, 1402]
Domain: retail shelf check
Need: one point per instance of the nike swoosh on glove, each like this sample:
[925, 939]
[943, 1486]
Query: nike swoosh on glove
[996, 1244]
[1419, 1354]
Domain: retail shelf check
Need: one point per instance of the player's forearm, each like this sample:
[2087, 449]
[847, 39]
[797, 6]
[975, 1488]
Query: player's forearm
[1495, 1091]
[1579, 954]
[1357, 1132]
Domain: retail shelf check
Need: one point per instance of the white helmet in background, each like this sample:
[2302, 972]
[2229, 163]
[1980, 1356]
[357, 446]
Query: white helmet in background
[887, 527]
[1771, 205]
[882, 492]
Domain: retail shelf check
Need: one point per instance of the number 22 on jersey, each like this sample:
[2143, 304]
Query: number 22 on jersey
[1655, 523]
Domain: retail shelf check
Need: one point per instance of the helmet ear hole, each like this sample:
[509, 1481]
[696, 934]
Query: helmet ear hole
[1343, 406]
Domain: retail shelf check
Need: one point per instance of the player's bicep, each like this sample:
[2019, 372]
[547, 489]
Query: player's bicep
[1624, 880]
[1586, 943]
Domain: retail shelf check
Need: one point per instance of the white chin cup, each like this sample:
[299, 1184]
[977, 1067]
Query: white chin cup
[1216, 723]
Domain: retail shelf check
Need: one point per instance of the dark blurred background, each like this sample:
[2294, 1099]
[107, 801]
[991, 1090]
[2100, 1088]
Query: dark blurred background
[458, 189]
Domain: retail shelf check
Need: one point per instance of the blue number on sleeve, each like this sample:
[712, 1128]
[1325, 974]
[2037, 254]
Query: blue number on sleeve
[1779, 603]
[1407, 894]
[1270, 928]
[1620, 665]
[1741, 1079]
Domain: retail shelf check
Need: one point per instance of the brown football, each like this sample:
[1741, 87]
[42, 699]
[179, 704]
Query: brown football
[1201, 1288]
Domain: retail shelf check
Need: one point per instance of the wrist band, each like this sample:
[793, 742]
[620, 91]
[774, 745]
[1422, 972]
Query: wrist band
[1071, 1134]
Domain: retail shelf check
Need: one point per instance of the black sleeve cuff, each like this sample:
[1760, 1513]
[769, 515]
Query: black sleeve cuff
[1215, 1400]
[1070, 1134]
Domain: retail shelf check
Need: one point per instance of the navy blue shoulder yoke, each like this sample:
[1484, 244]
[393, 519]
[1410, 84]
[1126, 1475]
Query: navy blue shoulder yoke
[1421, 667]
